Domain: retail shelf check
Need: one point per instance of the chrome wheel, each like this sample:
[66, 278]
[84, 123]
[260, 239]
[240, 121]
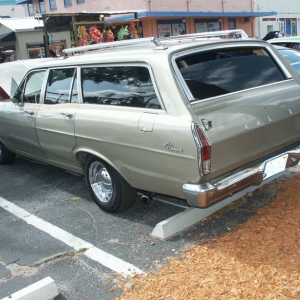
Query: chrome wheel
[100, 182]
[109, 189]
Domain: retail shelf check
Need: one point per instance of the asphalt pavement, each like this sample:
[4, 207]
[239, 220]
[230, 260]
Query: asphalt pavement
[50, 226]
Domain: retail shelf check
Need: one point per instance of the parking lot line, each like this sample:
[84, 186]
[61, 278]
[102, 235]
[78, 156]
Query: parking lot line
[94, 253]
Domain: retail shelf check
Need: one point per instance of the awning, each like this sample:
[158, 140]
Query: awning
[20, 1]
[8, 37]
[195, 14]
[7, 2]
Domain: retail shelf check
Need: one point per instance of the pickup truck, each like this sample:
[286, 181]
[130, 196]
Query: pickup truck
[196, 117]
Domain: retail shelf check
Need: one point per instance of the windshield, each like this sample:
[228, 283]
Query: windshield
[292, 56]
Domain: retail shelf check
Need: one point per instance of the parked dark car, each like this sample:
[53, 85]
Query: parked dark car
[270, 35]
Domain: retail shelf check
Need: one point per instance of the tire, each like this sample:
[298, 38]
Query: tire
[111, 192]
[6, 156]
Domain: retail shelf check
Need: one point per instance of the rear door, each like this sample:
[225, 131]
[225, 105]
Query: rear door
[246, 100]
[55, 118]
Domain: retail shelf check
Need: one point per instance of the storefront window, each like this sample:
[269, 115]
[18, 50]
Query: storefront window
[207, 25]
[231, 23]
[11, 55]
[170, 27]
[294, 27]
[35, 50]
[52, 4]
[287, 27]
[58, 47]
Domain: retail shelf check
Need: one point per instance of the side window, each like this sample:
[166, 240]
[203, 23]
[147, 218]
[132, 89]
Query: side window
[122, 86]
[30, 89]
[213, 73]
[60, 86]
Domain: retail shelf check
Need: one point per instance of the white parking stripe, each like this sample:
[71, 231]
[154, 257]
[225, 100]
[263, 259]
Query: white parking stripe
[76, 243]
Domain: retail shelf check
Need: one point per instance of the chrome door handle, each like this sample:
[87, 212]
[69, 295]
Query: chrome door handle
[67, 115]
[29, 112]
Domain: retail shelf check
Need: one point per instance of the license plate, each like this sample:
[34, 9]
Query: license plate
[275, 166]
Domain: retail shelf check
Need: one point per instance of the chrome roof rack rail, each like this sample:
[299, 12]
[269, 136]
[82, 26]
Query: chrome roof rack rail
[117, 44]
[234, 32]
[158, 42]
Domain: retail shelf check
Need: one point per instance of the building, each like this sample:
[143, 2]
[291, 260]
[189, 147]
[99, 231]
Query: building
[287, 20]
[158, 17]
[148, 18]
[10, 9]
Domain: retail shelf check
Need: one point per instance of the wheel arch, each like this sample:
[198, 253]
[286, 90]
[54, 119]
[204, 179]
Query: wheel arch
[83, 155]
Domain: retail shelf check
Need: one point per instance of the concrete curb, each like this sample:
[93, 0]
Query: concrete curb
[191, 216]
[44, 289]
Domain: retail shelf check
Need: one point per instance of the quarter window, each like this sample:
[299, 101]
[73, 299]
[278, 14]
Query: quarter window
[214, 73]
[121, 86]
[61, 86]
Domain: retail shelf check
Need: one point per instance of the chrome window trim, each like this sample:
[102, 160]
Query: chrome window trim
[71, 86]
[124, 64]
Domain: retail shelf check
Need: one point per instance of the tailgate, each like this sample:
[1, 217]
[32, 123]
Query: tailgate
[249, 125]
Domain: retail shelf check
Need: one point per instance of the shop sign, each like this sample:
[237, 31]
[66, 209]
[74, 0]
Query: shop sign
[164, 30]
[72, 37]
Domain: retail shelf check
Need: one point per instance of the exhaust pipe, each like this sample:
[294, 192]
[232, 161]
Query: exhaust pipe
[146, 198]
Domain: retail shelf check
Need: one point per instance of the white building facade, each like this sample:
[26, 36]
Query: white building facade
[287, 20]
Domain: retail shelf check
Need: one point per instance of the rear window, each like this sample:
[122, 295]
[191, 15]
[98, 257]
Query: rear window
[214, 73]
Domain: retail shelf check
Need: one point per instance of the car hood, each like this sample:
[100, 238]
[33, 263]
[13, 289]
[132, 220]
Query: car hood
[15, 70]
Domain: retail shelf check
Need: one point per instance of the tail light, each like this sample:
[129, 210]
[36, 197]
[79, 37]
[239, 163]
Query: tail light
[203, 149]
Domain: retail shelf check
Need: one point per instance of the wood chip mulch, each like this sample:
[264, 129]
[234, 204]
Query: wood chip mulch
[260, 260]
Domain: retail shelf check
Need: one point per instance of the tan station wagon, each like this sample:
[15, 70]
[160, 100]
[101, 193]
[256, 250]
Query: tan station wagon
[193, 117]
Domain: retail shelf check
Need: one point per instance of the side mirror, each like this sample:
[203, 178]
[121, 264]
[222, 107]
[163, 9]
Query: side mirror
[18, 100]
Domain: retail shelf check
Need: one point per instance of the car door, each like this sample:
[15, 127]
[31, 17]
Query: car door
[55, 118]
[19, 117]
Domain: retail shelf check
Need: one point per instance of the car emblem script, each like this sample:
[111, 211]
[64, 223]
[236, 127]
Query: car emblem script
[169, 146]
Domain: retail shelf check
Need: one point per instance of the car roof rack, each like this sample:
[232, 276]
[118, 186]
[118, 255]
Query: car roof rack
[235, 33]
[158, 42]
[117, 44]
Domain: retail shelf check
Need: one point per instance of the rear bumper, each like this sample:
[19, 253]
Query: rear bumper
[207, 194]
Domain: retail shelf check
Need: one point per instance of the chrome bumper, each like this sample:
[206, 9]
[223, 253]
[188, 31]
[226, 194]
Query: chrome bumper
[207, 194]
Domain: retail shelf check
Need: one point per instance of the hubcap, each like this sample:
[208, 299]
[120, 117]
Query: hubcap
[100, 182]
